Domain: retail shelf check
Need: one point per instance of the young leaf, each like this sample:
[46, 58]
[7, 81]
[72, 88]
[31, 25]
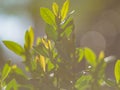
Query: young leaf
[47, 16]
[15, 47]
[117, 71]
[90, 56]
[29, 38]
[55, 8]
[5, 72]
[42, 62]
[101, 55]
[64, 10]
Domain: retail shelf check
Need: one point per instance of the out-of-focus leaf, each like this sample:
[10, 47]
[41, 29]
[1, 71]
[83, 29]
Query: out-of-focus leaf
[12, 85]
[15, 47]
[55, 8]
[117, 71]
[64, 10]
[83, 82]
[67, 32]
[34, 65]
[19, 72]
[90, 56]
[42, 62]
[29, 38]
[109, 82]
[51, 32]
[67, 23]
[46, 43]
[80, 54]
[50, 65]
[101, 55]
[47, 16]
[5, 72]
[41, 50]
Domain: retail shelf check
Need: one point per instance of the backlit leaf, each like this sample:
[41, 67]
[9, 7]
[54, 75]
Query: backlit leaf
[90, 56]
[42, 62]
[55, 8]
[29, 38]
[64, 10]
[15, 47]
[47, 16]
[5, 72]
[101, 56]
[117, 71]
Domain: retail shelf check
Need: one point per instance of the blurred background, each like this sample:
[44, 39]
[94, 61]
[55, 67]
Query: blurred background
[97, 24]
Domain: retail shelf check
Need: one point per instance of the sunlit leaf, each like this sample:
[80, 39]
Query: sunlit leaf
[42, 62]
[90, 56]
[55, 8]
[117, 71]
[15, 47]
[5, 72]
[101, 55]
[64, 10]
[29, 38]
[47, 16]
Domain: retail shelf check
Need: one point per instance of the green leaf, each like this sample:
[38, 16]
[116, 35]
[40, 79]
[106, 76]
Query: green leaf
[51, 32]
[29, 38]
[117, 71]
[80, 54]
[90, 56]
[64, 10]
[12, 85]
[68, 22]
[83, 82]
[55, 8]
[50, 65]
[15, 47]
[5, 72]
[47, 16]
[67, 32]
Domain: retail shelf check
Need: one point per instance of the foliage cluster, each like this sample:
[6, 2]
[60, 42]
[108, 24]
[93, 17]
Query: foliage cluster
[53, 62]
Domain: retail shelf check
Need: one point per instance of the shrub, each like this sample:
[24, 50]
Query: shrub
[53, 62]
